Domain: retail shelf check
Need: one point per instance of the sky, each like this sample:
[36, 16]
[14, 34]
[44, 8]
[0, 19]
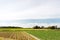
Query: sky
[13, 11]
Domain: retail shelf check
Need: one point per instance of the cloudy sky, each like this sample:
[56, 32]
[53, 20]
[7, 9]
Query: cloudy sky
[11, 10]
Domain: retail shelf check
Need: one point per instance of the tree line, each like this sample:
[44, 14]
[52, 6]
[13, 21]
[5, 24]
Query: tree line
[10, 27]
[34, 27]
[42, 27]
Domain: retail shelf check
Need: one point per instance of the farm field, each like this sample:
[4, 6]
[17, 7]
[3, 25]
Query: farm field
[20, 34]
[46, 34]
[15, 36]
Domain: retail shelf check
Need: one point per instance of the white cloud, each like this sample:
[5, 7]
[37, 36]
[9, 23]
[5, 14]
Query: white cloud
[29, 9]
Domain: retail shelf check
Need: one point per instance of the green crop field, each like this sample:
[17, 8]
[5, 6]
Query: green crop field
[46, 34]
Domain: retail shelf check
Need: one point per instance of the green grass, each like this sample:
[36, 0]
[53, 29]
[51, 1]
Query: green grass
[46, 34]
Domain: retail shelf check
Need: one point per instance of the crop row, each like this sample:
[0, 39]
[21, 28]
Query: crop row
[16, 35]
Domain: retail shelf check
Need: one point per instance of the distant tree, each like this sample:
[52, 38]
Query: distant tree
[52, 27]
[42, 27]
[36, 27]
[10, 27]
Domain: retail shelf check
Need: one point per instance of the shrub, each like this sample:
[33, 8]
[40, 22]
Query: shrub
[36, 27]
[42, 27]
[52, 27]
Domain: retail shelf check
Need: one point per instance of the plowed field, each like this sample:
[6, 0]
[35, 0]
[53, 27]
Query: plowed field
[15, 36]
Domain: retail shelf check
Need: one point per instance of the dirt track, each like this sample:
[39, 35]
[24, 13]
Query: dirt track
[15, 36]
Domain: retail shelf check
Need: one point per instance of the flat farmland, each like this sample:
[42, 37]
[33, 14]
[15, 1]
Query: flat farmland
[24, 34]
[46, 34]
[15, 36]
